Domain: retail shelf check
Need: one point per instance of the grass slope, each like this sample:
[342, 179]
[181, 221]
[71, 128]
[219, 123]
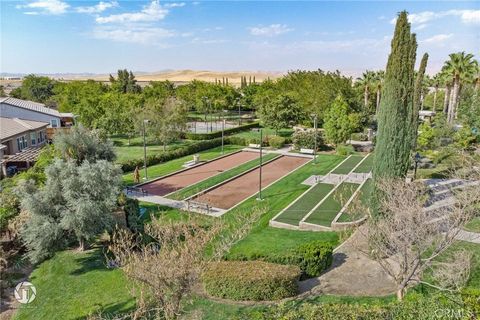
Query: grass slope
[202, 185]
[307, 202]
[348, 165]
[327, 211]
[367, 165]
[354, 210]
[161, 169]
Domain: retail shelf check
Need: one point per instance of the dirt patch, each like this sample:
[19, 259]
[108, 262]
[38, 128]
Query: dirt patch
[229, 194]
[186, 178]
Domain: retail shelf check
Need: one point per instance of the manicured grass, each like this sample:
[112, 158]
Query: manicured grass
[473, 225]
[307, 202]
[353, 212]
[348, 165]
[72, 285]
[202, 185]
[252, 134]
[161, 169]
[367, 165]
[327, 211]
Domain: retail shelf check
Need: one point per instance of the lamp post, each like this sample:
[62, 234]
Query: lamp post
[260, 171]
[416, 159]
[315, 137]
[239, 112]
[145, 121]
[223, 129]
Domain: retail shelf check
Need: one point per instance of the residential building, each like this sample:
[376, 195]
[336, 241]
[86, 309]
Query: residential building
[19, 134]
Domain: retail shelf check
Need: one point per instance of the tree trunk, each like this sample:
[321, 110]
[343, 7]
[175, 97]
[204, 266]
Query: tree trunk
[457, 100]
[400, 293]
[164, 146]
[82, 244]
[421, 102]
[435, 98]
[447, 98]
[378, 100]
[452, 105]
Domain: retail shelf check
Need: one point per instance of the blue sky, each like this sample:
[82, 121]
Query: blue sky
[58, 36]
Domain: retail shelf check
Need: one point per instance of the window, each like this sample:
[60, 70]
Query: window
[22, 143]
[54, 123]
[33, 137]
[40, 137]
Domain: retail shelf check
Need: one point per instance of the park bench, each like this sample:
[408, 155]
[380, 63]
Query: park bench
[137, 190]
[196, 159]
[254, 145]
[307, 151]
[198, 205]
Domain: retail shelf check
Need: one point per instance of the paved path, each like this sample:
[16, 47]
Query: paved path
[468, 236]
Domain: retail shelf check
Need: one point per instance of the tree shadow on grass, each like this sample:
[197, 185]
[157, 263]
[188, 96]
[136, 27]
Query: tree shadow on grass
[89, 261]
[111, 310]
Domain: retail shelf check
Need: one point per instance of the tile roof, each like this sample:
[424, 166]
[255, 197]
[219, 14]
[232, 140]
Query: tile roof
[30, 105]
[10, 127]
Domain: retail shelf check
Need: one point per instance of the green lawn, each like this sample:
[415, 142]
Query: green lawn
[473, 225]
[202, 185]
[354, 210]
[327, 211]
[161, 169]
[307, 202]
[348, 165]
[72, 285]
[367, 165]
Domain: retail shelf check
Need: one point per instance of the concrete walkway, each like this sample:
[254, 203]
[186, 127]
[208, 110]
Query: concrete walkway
[468, 236]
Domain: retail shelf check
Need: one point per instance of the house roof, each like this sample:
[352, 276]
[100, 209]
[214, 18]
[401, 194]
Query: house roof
[10, 127]
[30, 105]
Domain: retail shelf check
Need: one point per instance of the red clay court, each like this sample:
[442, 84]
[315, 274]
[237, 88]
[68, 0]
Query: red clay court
[232, 192]
[191, 176]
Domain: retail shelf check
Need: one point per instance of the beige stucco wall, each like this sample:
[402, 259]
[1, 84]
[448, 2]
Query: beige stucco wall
[11, 143]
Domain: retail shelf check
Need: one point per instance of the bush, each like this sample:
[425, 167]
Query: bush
[359, 136]
[218, 134]
[130, 165]
[304, 139]
[312, 258]
[344, 149]
[276, 141]
[251, 280]
[237, 140]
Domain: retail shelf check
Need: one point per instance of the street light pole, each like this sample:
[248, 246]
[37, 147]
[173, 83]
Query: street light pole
[315, 139]
[145, 149]
[223, 129]
[260, 171]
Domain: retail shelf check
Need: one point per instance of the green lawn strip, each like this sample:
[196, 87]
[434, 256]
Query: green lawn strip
[302, 206]
[348, 165]
[161, 169]
[73, 284]
[354, 210]
[473, 225]
[328, 210]
[210, 182]
[366, 166]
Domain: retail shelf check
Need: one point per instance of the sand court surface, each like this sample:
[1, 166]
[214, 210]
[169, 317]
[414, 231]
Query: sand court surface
[191, 176]
[232, 192]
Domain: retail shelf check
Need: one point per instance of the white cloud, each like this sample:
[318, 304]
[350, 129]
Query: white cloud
[175, 5]
[134, 34]
[420, 27]
[150, 13]
[98, 8]
[439, 38]
[270, 31]
[466, 16]
[54, 7]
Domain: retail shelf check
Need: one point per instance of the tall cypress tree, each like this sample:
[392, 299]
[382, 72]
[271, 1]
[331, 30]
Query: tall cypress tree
[392, 154]
[417, 101]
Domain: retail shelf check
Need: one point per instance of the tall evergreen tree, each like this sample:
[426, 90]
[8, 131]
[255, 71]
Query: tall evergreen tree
[394, 140]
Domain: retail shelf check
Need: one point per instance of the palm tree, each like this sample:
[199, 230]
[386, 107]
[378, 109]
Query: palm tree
[379, 76]
[436, 80]
[365, 81]
[461, 67]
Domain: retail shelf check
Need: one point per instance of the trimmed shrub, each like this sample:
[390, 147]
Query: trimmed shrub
[359, 136]
[218, 134]
[345, 149]
[250, 280]
[130, 165]
[303, 139]
[312, 258]
[237, 140]
[276, 141]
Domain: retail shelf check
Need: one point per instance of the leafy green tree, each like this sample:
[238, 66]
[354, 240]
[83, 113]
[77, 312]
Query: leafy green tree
[338, 125]
[125, 82]
[392, 154]
[464, 138]
[35, 88]
[80, 144]
[426, 137]
[2, 91]
[282, 112]
[76, 202]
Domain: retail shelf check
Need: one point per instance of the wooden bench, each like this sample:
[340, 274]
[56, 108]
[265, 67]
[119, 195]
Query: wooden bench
[307, 151]
[189, 163]
[254, 145]
[198, 205]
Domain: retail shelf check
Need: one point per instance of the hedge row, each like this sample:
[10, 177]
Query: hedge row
[130, 165]
[251, 280]
[218, 134]
[312, 258]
